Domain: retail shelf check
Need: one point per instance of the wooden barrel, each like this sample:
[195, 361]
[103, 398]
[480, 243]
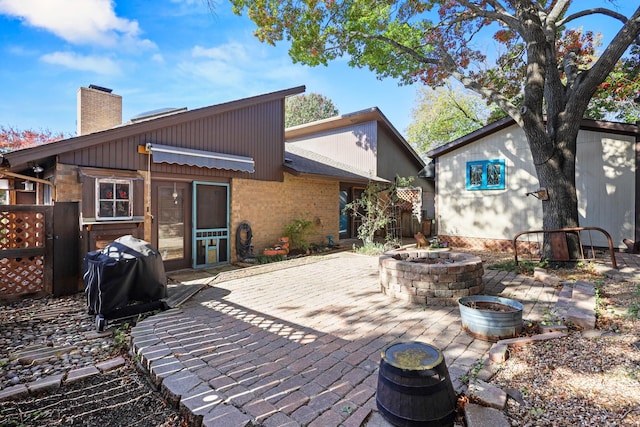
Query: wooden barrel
[414, 388]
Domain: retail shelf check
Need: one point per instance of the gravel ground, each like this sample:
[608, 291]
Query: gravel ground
[49, 322]
[589, 378]
[118, 398]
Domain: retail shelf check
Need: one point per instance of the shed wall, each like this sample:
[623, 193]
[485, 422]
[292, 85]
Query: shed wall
[605, 182]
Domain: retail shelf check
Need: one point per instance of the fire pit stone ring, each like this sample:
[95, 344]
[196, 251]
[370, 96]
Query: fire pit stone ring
[423, 276]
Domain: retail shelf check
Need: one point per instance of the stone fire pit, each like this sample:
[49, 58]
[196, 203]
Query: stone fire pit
[431, 277]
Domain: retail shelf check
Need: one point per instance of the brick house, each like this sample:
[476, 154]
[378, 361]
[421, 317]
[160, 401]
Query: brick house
[184, 180]
[358, 148]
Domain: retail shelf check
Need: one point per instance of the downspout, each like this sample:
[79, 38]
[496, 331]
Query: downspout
[31, 178]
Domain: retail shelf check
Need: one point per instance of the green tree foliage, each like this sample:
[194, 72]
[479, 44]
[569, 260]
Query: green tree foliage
[305, 108]
[441, 115]
[618, 95]
[431, 41]
[15, 139]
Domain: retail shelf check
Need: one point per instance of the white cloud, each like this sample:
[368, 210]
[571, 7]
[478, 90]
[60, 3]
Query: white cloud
[244, 68]
[157, 57]
[96, 64]
[78, 22]
[230, 52]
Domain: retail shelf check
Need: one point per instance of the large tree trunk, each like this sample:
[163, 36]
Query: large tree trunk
[552, 139]
[555, 161]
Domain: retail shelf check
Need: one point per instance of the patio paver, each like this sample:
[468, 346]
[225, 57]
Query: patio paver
[301, 345]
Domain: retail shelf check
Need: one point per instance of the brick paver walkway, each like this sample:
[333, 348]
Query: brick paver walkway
[301, 345]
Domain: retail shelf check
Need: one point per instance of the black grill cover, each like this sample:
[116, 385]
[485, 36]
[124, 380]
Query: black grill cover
[127, 271]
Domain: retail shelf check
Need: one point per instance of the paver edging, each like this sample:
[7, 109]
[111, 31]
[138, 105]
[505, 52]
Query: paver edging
[56, 381]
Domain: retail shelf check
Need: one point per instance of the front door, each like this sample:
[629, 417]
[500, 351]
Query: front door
[172, 223]
[211, 224]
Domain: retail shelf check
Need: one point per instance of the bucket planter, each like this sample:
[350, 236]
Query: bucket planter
[282, 248]
[490, 318]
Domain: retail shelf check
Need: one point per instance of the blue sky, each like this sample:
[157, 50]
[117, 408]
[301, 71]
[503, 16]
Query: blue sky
[165, 53]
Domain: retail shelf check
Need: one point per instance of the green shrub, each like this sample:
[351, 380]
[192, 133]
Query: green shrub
[266, 259]
[370, 249]
[297, 231]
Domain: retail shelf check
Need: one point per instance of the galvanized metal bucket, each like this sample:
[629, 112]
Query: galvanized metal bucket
[490, 318]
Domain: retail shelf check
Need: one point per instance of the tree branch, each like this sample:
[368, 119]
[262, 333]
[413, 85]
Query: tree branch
[500, 14]
[410, 51]
[492, 95]
[596, 10]
[558, 9]
[588, 81]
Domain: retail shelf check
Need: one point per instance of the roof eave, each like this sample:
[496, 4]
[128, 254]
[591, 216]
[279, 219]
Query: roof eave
[19, 158]
[585, 124]
[345, 120]
[471, 137]
[355, 180]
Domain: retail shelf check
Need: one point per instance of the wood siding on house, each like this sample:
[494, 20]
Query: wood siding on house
[356, 145]
[605, 182]
[254, 131]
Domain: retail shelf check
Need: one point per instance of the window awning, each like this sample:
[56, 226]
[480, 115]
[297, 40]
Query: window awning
[204, 159]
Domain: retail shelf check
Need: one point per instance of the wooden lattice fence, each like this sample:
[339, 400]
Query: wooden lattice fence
[25, 255]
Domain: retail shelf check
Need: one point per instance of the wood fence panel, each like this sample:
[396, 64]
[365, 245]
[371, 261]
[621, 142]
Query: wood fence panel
[25, 250]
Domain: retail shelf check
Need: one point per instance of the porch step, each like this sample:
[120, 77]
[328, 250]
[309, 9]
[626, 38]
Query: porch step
[180, 293]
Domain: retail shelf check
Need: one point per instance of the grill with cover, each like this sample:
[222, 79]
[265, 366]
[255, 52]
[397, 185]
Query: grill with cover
[124, 279]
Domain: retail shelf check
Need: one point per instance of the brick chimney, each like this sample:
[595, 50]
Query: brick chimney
[98, 109]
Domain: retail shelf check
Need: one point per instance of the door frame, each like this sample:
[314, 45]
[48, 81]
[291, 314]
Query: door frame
[186, 260]
[216, 234]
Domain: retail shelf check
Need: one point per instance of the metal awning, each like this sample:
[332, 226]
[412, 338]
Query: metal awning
[204, 159]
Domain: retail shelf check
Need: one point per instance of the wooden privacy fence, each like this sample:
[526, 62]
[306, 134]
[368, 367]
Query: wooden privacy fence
[25, 250]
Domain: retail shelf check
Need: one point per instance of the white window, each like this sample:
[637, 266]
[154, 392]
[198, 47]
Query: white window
[114, 199]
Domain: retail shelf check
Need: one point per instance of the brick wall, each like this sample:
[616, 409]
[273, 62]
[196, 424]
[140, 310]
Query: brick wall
[68, 187]
[97, 110]
[269, 206]
[496, 245]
